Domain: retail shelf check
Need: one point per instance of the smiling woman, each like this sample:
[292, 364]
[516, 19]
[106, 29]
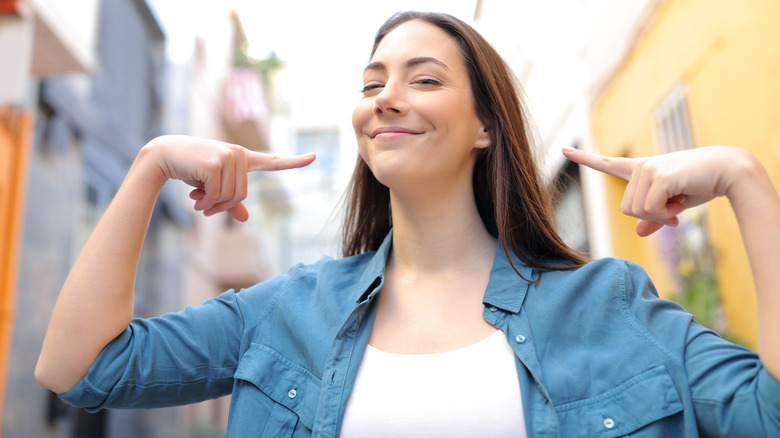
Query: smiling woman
[416, 125]
[457, 310]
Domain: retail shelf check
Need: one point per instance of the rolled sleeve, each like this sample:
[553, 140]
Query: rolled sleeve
[769, 392]
[175, 359]
[86, 394]
[731, 392]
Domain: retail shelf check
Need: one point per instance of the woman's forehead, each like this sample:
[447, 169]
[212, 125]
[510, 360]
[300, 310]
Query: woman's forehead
[417, 38]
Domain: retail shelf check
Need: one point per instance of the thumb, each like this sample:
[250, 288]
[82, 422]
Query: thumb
[239, 212]
[645, 228]
[674, 206]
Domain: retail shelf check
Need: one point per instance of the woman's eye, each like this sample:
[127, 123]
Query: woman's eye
[370, 87]
[427, 81]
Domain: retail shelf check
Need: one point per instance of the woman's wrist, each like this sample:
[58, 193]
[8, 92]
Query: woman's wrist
[148, 169]
[747, 182]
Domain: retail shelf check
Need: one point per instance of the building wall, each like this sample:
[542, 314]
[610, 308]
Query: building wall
[88, 128]
[52, 208]
[723, 53]
[15, 130]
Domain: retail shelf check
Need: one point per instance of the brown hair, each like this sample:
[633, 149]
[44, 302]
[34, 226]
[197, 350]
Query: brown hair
[512, 201]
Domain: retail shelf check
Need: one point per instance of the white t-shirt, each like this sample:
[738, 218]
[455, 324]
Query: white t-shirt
[469, 392]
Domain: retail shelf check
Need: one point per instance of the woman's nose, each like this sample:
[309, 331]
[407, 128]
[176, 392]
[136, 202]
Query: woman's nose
[389, 101]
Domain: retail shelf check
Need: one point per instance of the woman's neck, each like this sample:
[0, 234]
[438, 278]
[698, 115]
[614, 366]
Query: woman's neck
[436, 276]
[440, 233]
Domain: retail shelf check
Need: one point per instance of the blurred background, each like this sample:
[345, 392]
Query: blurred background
[84, 84]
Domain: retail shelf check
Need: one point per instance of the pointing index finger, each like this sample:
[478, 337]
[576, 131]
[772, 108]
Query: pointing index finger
[620, 167]
[260, 161]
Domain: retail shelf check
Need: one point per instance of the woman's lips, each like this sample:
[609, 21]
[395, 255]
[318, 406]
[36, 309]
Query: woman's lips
[391, 132]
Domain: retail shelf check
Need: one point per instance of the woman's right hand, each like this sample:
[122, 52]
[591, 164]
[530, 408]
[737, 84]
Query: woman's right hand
[216, 170]
[96, 301]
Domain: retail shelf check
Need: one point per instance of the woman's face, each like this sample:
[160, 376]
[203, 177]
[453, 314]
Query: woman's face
[416, 121]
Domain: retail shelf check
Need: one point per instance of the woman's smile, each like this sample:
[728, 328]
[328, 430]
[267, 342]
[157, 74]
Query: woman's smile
[393, 133]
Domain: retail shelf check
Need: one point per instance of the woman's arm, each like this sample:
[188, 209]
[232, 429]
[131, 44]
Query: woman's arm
[661, 187]
[96, 301]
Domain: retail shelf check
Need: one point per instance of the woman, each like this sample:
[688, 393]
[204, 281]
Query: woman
[458, 311]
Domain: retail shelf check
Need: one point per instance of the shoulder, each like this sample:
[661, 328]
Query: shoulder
[325, 285]
[609, 289]
[609, 305]
[297, 316]
[330, 269]
[611, 275]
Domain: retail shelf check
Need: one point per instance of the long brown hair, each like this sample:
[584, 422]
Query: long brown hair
[512, 201]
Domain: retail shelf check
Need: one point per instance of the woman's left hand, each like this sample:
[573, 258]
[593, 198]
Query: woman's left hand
[662, 186]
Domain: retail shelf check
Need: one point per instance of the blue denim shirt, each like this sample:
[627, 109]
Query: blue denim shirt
[598, 354]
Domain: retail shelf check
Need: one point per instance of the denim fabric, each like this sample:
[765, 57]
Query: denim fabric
[598, 354]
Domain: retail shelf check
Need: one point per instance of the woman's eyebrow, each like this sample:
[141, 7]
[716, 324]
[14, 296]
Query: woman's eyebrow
[411, 62]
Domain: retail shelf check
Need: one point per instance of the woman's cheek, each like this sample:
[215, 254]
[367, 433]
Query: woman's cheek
[361, 115]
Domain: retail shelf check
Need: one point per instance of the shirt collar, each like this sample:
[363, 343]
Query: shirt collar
[506, 290]
[373, 275]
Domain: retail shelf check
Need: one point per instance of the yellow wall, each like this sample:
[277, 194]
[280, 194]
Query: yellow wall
[728, 55]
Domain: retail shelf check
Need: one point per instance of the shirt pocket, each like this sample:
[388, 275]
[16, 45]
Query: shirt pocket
[272, 396]
[645, 405]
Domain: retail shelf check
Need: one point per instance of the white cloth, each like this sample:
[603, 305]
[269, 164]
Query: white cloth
[469, 392]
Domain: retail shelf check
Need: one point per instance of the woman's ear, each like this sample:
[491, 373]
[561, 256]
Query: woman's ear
[483, 139]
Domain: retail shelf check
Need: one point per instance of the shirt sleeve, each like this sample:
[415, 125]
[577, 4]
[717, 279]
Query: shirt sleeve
[178, 358]
[731, 391]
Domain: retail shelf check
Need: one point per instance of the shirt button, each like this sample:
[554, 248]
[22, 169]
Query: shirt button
[520, 339]
[292, 393]
[493, 308]
[609, 423]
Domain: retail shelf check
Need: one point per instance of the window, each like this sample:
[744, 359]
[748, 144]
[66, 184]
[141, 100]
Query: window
[672, 122]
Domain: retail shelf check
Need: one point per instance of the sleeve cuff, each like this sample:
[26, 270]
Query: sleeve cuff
[769, 393]
[85, 395]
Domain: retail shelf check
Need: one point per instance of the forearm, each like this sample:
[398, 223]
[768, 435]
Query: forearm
[96, 301]
[757, 208]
